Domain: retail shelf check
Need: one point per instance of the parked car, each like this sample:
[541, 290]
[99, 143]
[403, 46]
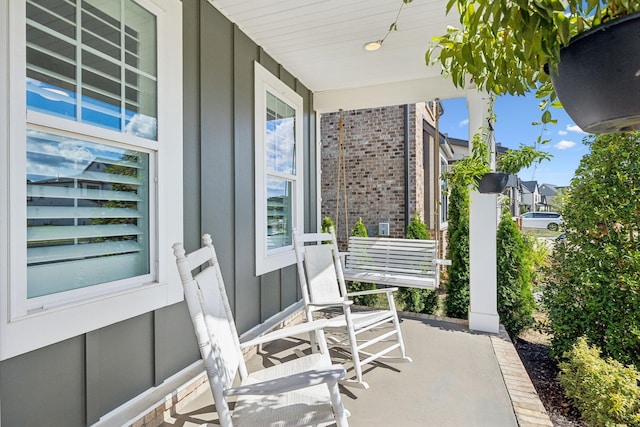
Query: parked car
[549, 220]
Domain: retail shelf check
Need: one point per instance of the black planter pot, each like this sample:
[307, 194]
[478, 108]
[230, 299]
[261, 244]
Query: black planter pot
[494, 182]
[598, 78]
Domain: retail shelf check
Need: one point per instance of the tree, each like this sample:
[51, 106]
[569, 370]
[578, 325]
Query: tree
[595, 275]
[457, 287]
[413, 299]
[515, 298]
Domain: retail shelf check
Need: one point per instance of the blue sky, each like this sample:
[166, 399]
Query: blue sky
[514, 115]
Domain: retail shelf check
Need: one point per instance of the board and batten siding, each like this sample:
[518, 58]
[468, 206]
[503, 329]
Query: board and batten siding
[76, 381]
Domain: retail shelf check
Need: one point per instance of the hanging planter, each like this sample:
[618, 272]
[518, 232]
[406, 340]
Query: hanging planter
[598, 77]
[493, 182]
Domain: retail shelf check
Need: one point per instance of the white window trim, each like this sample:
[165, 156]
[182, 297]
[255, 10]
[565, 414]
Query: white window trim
[23, 330]
[282, 257]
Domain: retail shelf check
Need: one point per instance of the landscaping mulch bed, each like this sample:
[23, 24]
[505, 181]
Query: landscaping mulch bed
[533, 349]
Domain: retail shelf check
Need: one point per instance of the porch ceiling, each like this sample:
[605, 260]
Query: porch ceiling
[321, 43]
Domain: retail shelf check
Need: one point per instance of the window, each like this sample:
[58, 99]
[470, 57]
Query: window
[279, 197]
[93, 61]
[87, 213]
[94, 150]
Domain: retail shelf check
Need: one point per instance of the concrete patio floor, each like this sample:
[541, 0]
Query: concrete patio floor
[457, 378]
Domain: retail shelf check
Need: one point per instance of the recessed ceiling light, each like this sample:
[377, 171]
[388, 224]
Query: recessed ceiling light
[371, 46]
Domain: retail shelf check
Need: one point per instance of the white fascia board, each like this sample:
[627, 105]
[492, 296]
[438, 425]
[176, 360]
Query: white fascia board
[394, 93]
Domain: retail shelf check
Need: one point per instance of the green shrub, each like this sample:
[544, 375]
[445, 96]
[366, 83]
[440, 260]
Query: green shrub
[457, 287]
[326, 225]
[417, 229]
[515, 298]
[360, 230]
[595, 276]
[537, 257]
[413, 299]
[606, 392]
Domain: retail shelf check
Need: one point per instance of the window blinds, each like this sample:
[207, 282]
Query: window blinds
[87, 213]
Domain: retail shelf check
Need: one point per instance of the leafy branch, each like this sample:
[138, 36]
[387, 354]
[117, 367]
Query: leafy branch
[510, 46]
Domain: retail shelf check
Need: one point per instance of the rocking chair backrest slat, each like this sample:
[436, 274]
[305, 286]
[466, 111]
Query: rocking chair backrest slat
[226, 353]
[321, 274]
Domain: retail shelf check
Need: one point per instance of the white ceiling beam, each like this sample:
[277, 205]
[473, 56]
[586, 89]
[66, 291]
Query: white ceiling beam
[395, 93]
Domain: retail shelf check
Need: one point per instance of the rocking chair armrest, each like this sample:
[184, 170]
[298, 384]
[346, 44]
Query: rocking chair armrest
[373, 291]
[286, 332]
[304, 379]
[339, 303]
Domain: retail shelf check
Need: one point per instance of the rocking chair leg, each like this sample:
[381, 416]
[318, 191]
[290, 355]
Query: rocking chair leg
[396, 324]
[339, 412]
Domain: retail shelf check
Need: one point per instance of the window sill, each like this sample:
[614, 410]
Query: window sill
[47, 326]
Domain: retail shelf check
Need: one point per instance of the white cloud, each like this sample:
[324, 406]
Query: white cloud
[575, 128]
[562, 132]
[464, 122]
[564, 145]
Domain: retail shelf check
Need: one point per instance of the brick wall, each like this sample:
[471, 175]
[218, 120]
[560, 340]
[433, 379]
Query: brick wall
[374, 160]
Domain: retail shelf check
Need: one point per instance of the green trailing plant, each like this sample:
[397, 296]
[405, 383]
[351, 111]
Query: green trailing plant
[594, 288]
[360, 230]
[511, 47]
[515, 160]
[504, 46]
[413, 299]
[394, 24]
[457, 286]
[469, 170]
[606, 392]
[514, 274]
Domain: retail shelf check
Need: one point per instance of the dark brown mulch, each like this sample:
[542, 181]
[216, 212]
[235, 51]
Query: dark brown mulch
[543, 371]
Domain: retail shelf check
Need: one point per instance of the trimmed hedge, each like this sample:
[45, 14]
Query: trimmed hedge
[515, 298]
[457, 287]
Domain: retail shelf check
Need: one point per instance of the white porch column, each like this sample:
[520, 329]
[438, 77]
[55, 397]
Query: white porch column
[483, 310]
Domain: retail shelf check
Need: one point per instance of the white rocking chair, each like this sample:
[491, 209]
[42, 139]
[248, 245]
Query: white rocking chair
[323, 286]
[302, 392]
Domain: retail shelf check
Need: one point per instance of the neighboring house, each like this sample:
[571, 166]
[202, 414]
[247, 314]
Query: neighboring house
[200, 129]
[549, 194]
[514, 195]
[461, 148]
[531, 198]
[390, 173]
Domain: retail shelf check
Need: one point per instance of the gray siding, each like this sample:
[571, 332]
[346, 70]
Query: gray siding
[75, 382]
